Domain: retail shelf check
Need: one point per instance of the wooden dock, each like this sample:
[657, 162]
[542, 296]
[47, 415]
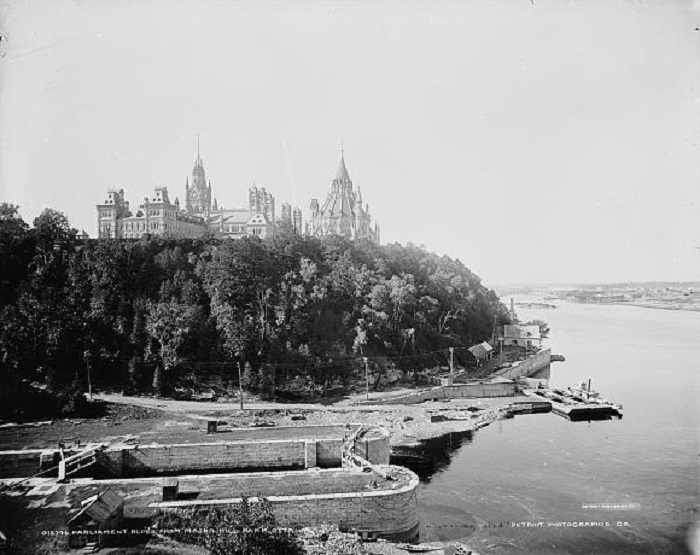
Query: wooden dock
[575, 410]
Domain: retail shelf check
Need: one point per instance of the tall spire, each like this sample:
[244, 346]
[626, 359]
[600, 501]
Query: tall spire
[198, 161]
[342, 174]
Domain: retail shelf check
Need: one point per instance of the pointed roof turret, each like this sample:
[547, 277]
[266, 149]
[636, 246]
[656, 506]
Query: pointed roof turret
[198, 161]
[342, 174]
[199, 178]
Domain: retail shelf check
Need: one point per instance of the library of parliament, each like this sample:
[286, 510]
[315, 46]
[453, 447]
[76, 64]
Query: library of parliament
[341, 213]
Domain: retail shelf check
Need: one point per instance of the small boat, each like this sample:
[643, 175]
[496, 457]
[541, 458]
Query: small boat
[422, 548]
[583, 392]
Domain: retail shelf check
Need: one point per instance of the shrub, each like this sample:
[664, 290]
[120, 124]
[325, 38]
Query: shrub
[243, 529]
[72, 401]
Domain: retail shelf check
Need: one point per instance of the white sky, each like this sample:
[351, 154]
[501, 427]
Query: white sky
[548, 142]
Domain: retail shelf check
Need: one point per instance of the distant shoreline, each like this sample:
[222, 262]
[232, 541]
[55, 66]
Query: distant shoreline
[649, 304]
[653, 304]
[684, 298]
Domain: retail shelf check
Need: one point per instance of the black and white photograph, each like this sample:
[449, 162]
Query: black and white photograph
[350, 277]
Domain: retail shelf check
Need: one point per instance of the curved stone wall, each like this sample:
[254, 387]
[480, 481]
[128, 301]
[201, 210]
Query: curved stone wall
[373, 505]
[374, 445]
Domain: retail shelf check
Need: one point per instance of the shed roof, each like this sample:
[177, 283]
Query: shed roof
[99, 507]
[481, 350]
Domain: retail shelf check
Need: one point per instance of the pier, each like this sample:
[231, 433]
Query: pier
[572, 409]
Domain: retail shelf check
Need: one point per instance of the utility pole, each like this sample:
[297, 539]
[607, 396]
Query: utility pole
[452, 365]
[364, 359]
[240, 384]
[89, 377]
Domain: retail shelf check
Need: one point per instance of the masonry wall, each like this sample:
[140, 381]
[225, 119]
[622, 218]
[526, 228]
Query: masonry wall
[374, 446]
[469, 390]
[254, 449]
[28, 462]
[389, 513]
[162, 459]
[528, 367]
[18, 463]
[329, 453]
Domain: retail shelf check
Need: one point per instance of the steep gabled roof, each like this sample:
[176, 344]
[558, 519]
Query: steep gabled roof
[342, 174]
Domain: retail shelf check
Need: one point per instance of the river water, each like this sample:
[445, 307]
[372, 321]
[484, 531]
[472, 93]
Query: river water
[491, 487]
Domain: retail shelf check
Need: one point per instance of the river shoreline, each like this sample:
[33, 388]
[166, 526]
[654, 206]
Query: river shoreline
[150, 420]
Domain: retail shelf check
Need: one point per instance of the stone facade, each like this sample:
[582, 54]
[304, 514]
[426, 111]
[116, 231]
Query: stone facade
[155, 216]
[198, 195]
[257, 220]
[158, 216]
[291, 217]
[342, 213]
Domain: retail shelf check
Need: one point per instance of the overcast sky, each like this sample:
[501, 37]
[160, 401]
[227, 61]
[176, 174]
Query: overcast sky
[547, 142]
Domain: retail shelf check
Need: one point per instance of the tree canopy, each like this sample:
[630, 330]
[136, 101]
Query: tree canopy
[140, 310]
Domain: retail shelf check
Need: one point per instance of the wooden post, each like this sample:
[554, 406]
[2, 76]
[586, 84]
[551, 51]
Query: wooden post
[364, 359]
[452, 365]
[89, 376]
[240, 384]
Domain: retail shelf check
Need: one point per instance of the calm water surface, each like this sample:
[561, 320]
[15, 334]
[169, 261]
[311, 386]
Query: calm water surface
[542, 468]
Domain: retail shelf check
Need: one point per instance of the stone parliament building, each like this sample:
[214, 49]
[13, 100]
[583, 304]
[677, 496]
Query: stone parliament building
[342, 213]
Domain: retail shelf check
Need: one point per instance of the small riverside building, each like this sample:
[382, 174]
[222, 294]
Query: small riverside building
[518, 335]
[100, 512]
[481, 352]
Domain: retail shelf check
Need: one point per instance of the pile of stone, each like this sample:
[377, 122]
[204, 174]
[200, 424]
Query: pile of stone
[328, 540]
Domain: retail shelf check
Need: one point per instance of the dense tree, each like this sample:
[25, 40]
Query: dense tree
[15, 252]
[169, 325]
[142, 313]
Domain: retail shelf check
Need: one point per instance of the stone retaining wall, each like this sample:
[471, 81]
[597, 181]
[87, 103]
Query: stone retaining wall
[528, 367]
[167, 459]
[144, 460]
[374, 446]
[466, 390]
[388, 513]
[292, 447]
[21, 463]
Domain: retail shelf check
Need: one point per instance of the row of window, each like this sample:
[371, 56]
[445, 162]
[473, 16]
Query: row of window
[132, 229]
